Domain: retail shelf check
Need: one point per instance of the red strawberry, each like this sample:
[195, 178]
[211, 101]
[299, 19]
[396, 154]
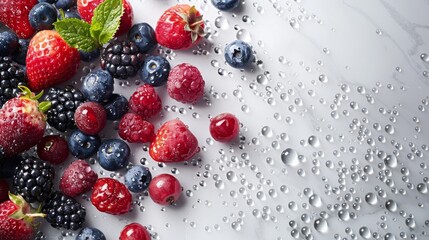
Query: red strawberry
[77, 178]
[173, 143]
[86, 11]
[16, 219]
[22, 122]
[50, 60]
[180, 27]
[14, 14]
[111, 196]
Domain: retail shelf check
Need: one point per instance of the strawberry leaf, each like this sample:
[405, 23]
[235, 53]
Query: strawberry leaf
[76, 33]
[106, 20]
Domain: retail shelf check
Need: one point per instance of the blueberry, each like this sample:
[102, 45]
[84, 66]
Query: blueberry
[137, 179]
[155, 70]
[82, 145]
[89, 56]
[20, 55]
[225, 5]
[113, 154]
[90, 233]
[143, 35]
[42, 16]
[238, 54]
[116, 107]
[97, 86]
[65, 4]
[8, 43]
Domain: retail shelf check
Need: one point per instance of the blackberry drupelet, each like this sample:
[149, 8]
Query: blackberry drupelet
[64, 212]
[64, 104]
[12, 75]
[122, 59]
[33, 179]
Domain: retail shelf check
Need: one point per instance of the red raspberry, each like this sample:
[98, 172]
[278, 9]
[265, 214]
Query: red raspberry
[165, 189]
[134, 231]
[77, 178]
[145, 101]
[173, 143]
[4, 190]
[111, 196]
[134, 129]
[53, 149]
[185, 83]
[224, 127]
[90, 117]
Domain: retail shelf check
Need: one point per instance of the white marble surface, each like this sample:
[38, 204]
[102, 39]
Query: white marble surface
[370, 52]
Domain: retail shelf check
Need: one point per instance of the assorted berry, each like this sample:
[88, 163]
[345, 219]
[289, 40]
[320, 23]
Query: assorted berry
[20, 54]
[138, 178]
[134, 231]
[134, 129]
[185, 83]
[155, 70]
[64, 103]
[239, 54]
[145, 101]
[33, 179]
[98, 86]
[82, 145]
[143, 35]
[12, 75]
[224, 127]
[77, 178]
[111, 196]
[116, 107]
[165, 189]
[64, 212]
[53, 148]
[180, 27]
[90, 118]
[174, 142]
[19, 23]
[90, 233]
[113, 154]
[122, 59]
[42, 16]
[8, 43]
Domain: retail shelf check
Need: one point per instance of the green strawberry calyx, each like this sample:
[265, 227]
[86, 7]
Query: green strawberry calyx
[28, 94]
[88, 37]
[193, 23]
[24, 210]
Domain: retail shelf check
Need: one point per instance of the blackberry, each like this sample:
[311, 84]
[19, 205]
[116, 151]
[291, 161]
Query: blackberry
[64, 212]
[12, 75]
[64, 103]
[33, 179]
[122, 59]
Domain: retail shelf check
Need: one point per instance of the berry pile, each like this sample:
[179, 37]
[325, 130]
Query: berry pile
[52, 46]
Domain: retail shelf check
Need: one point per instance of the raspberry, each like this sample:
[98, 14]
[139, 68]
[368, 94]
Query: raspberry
[134, 129]
[77, 178]
[53, 149]
[185, 83]
[90, 118]
[145, 101]
[111, 196]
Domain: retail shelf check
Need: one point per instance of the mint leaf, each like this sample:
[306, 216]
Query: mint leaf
[106, 20]
[76, 33]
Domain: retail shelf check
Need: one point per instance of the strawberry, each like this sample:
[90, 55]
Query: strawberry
[86, 11]
[22, 122]
[14, 14]
[180, 27]
[50, 60]
[174, 142]
[16, 217]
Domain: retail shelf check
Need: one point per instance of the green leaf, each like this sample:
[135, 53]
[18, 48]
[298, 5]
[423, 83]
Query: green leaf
[76, 33]
[106, 20]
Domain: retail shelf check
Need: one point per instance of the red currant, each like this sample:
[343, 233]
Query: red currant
[224, 127]
[165, 189]
[134, 231]
[53, 149]
[90, 117]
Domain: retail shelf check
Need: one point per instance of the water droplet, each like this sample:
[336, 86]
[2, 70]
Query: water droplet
[371, 199]
[267, 131]
[424, 57]
[294, 23]
[314, 141]
[290, 157]
[321, 225]
[391, 205]
[365, 232]
[244, 35]
[323, 78]
[221, 22]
